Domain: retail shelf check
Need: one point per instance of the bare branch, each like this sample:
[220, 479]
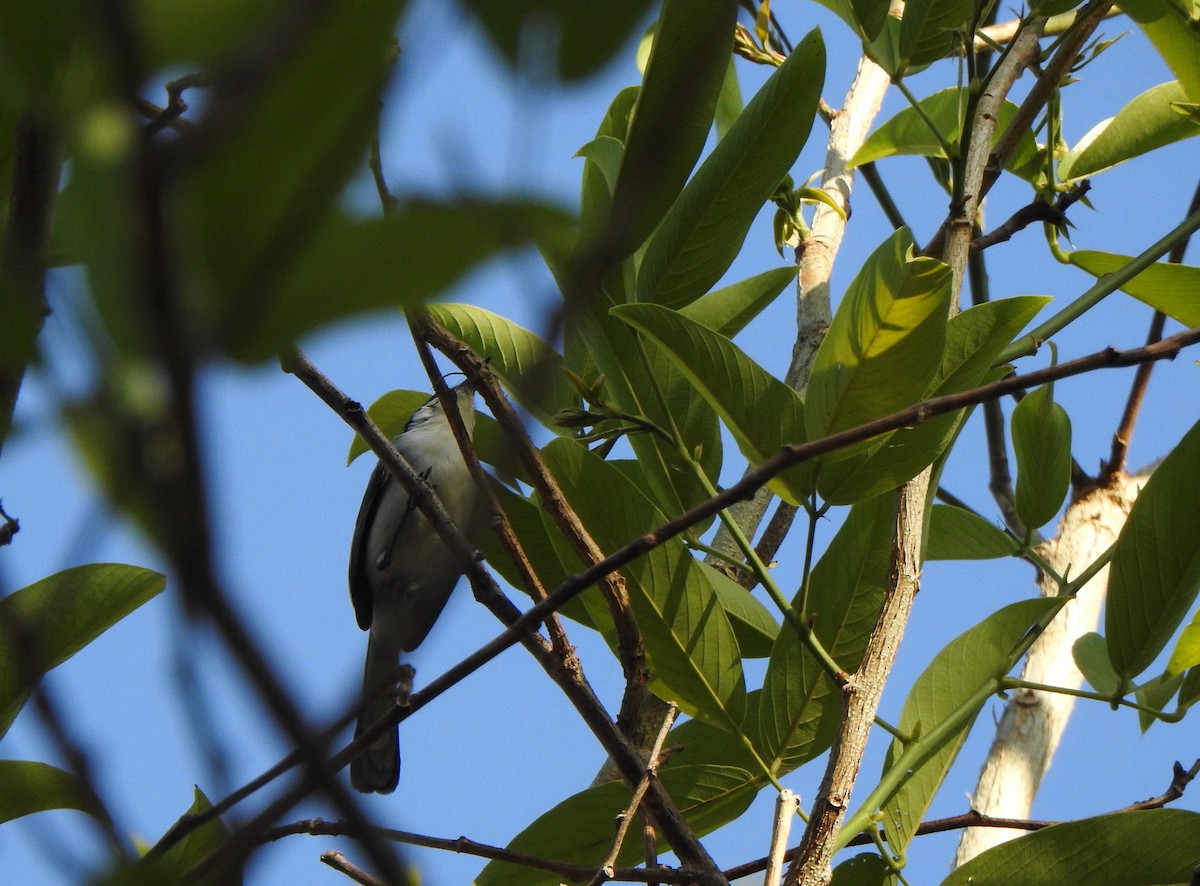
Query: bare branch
[339, 863]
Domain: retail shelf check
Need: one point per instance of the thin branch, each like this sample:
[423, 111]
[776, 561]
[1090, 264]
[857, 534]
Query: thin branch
[176, 106]
[577, 872]
[339, 863]
[626, 818]
[1037, 211]
[1141, 379]
[786, 805]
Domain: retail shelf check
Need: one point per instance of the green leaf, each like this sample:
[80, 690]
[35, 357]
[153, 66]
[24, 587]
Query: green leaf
[752, 623]
[1149, 121]
[636, 371]
[1041, 435]
[602, 164]
[529, 367]
[800, 704]
[932, 29]
[27, 787]
[975, 338]
[1155, 568]
[671, 121]
[957, 534]
[705, 229]
[727, 310]
[176, 861]
[1149, 847]
[1155, 695]
[691, 648]
[579, 829]
[760, 411]
[1091, 657]
[1187, 649]
[885, 343]
[253, 197]
[1171, 27]
[585, 35]
[1166, 287]
[957, 676]
[390, 413]
[729, 101]
[352, 266]
[864, 869]
[183, 34]
[52, 619]
[909, 133]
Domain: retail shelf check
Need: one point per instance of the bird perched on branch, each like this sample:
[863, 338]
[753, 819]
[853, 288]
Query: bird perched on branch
[402, 573]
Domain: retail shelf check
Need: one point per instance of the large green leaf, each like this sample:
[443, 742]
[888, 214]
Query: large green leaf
[256, 191]
[760, 411]
[885, 343]
[52, 619]
[932, 29]
[800, 704]
[1171, 27]
[27, 787]
[974, 340]
[585, 35]
[671, 121]
[691, 648]
[1041, 435]
[956, 534]
[579, 829]
[1149, 121]
[528, 366]
[602, 163]
[908, 133]
[1150, 847]
[958, 675]
[636, 371]
[1166, 287]
[727, 310]
[352, 266]
[1155, 568]
[191, 35]
[704, 231]
[752, 623]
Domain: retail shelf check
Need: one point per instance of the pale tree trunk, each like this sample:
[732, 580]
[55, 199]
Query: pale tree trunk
[1029, 732]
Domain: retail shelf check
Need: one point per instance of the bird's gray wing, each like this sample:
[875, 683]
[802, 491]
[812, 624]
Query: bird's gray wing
[360, 566]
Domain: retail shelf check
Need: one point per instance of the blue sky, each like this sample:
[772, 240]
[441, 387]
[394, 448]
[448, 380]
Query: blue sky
[504, 746]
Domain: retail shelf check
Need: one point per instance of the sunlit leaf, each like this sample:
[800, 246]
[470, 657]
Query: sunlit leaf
[752, 623]
[760, 411]
[1166, 287]
[704, 230]
[1171, 27]
[52, 619]
[885, 343]
[909, 133]
[1148, 847]
[1041, 435]
[1187, 649]
[1147, 122]
[957, 534]
[1155, 570]
[1154, 695]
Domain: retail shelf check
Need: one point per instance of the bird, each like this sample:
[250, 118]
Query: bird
[401, 572]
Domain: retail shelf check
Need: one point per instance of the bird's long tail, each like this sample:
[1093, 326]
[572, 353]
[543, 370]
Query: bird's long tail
[377, 769]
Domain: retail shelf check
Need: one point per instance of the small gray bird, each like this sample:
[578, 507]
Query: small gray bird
[401, 572]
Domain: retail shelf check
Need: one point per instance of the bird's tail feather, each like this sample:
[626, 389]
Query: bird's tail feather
[377, 769]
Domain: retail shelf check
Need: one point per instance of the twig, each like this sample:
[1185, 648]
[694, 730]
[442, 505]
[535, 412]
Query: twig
[318, 828]
[1037, 211]
[625, 819]
[339, 863]
[1141, 379]
[1180, 779]
[785, 810]
[176, 106]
